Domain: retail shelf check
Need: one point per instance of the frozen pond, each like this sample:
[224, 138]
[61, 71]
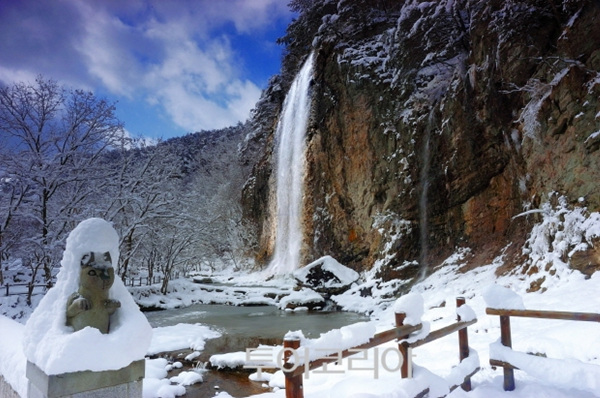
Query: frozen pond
[264, 322]
[241, 328]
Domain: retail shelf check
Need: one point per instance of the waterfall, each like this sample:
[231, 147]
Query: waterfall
[423, 201]
[290, 141]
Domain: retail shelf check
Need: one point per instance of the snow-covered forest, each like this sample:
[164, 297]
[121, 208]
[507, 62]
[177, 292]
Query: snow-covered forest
[65, 157]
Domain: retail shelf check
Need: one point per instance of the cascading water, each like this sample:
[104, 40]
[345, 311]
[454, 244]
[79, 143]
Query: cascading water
[290, 138]
[423, 203]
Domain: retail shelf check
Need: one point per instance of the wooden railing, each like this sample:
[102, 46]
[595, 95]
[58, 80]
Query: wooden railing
[11, 289]
[506, 338]
[293, 372]
[17, 288]
[147, 280]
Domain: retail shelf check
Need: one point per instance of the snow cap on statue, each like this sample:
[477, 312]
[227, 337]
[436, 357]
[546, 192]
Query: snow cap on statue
[53, 346]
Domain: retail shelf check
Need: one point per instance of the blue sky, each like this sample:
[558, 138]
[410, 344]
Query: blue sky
[173, 66]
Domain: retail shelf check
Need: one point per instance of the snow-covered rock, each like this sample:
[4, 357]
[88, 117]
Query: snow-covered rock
[302, 298]
[327, 276]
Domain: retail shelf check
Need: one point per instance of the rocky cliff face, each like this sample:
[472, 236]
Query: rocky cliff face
[434, 124]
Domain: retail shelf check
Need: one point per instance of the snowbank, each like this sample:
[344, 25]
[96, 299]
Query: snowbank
[180, 336]
[156, 383]
[565, 373]
[13, 363]
[502, 298]
[53, 346]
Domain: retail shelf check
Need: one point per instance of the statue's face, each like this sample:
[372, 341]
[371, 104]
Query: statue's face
[97, 272]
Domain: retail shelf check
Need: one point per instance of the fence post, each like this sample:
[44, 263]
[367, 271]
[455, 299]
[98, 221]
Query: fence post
[293, 384]
[463, 344]
[506, 340]
[7, 285]
[405, 350]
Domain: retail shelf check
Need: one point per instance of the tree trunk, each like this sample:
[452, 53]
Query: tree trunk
[128, 243]
[46, 259]
[165, 285]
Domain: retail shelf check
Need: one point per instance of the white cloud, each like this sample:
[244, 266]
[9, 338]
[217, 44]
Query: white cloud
[196, 78]
[106, 50]
[174, 54]
[200, 88]
[16, 75]
[248, 15]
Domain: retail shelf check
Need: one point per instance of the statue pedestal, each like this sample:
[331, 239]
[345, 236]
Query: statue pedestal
[125, 382]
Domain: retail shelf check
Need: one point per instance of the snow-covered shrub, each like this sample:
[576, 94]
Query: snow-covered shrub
[563, 231]
[392, 229]
[538, 92]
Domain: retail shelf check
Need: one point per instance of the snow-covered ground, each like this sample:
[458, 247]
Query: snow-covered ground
[575, 342]
[571, 369]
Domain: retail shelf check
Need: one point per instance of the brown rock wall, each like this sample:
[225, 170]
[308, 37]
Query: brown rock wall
[507, 101]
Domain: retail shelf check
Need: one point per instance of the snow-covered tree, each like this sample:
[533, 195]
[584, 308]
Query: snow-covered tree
[142, 192]
[53, 141]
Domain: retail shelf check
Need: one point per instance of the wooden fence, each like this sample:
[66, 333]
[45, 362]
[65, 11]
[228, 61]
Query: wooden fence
[24, 288]
[11, 289]
[147, 281]
[506, 338]
[293, 372]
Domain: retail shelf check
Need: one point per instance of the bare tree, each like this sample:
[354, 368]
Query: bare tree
[51, 158]
[141, 194]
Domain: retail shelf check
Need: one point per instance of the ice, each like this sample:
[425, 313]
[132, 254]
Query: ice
[53, 346]
[181, 336]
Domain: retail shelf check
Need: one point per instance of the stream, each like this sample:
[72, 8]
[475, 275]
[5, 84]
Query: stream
[241, 328]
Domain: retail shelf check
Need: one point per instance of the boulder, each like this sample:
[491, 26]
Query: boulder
[304, 298]
[326, 276]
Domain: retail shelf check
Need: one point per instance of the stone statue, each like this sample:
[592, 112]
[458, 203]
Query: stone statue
[90, 305]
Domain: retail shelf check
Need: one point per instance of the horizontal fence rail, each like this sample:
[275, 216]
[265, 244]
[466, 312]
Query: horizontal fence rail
[148, 281]
[506, 336]
[293, 372]
[560, 315]
[380, 338]
[13, 289]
